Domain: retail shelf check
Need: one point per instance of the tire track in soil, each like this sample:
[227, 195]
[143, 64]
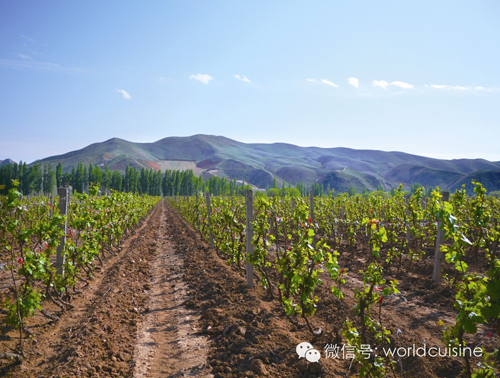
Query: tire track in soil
[168, 342]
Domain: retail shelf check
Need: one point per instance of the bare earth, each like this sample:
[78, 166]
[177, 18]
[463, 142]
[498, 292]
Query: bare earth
[167, 306]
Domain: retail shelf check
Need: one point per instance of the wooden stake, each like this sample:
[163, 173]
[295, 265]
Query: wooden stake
[63, 210]
[197, 223]
[408, 230]
[311, 205]
[438, 256]
[249, 235]
[209, 214]
[51, 200]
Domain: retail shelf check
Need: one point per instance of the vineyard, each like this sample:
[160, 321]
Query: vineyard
[383, 246]
[353, 276]
[31, 231]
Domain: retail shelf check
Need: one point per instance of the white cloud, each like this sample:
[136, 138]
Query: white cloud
[26, 64]
[354, 82]
[204, 78]
[380, 83]
[125, 94]
[436, 86]
[242, 78]
[312, 80]
[453, 87]
[24, 56]
[384, 84]
[460, 88]
[328, 82]
[489, 89]
[31, 64]
[27, 38]
[402, 84]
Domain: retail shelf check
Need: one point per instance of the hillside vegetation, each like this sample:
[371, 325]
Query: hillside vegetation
[259, 164]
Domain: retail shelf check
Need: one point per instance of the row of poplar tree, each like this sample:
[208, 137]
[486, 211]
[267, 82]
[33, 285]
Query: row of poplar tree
[41, 178]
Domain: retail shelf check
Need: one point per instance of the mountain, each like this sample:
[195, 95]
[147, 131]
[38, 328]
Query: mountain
[6, 161]
[259, 163]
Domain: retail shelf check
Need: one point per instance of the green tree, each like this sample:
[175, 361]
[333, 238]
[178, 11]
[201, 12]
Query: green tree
[106, 178]
[25, 180]
[36, 178]
[49, 179]
[59, 175]
[116, 181]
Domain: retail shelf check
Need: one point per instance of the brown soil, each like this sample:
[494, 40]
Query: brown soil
[168, 306]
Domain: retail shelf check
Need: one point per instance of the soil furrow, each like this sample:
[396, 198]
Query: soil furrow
[96, 338]
[168, 306]
[169, 343]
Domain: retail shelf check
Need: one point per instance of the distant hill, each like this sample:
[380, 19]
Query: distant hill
[6, 161]
[259, 163]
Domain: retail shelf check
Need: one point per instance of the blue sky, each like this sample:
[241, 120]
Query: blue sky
[419, 77]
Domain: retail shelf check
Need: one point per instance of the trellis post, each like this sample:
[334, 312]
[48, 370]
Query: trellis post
[249, 235]
[438, 256]
[209, 214]
[311, 206]
[408, 229]
[63, 210]
[197, 224]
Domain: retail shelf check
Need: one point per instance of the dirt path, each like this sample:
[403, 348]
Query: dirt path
[168, 340]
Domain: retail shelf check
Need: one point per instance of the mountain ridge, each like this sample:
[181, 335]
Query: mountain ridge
[261, 163]
[6, 161]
